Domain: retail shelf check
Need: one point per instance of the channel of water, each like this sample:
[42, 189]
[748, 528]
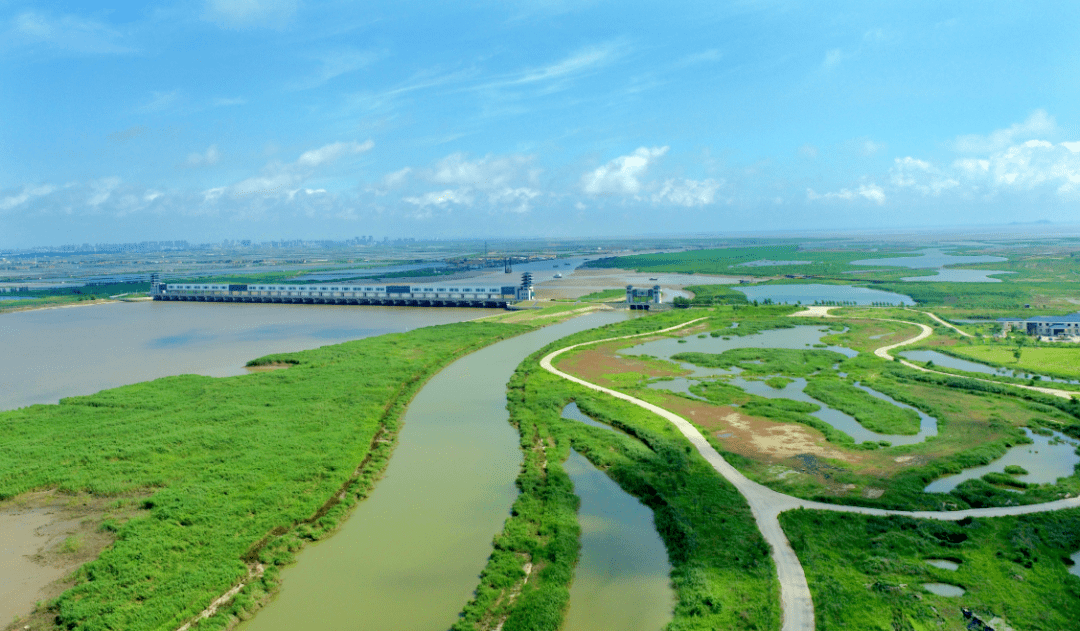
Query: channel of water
[621, 582]
[948, 361]
[1046, 460]
[410, 554]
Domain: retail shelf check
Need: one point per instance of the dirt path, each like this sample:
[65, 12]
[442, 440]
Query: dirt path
[940, 321]
[883, 353]
[766, 504]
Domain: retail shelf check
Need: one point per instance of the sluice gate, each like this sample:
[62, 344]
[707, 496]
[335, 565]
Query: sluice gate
[459, 295]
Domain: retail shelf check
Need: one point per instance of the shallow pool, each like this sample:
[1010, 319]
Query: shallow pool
[574, 413]
[1045, 463]
[944, 589]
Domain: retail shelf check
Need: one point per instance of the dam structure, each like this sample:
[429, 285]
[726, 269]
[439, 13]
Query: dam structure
[459, 294]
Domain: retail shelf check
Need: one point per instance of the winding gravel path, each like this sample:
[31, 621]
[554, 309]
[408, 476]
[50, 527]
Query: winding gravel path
[767, 504]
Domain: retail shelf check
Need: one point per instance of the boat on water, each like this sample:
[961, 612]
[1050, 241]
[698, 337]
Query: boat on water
[558, 276]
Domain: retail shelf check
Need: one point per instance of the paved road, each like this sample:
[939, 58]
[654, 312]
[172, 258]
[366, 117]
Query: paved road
[939, 320]
[767, 504]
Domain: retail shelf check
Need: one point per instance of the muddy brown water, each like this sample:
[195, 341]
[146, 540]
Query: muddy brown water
[410, 555]
[621, 582]
[22, 534]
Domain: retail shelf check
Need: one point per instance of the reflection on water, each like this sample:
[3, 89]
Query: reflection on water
[79, 351]
[948, 361]
[1049, 458]
[621, 580]
[409, 555]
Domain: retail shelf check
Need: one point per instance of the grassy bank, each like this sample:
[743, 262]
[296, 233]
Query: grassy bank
[231, 471]
[868, 572]
[722, 573]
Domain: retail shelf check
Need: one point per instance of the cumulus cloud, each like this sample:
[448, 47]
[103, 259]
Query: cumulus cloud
[439, 199]
[688, 193]
[1038, 124]
[517, 200]
[871, 192]
[242, 14]
[207, 158]
[621, 176]
[507, 183]
[921, 176]
[277, 179]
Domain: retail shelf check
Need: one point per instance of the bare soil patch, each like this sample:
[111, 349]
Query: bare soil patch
[593, 363]
[44, 537]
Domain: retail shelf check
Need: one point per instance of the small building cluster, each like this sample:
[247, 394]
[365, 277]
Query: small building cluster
[1063, 328]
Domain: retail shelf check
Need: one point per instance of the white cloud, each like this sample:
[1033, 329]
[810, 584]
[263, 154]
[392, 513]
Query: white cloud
[514, 199]
[871, 192]
[442, 198]
[688, 192]
[920, 175]
[27, 193]
[101, 190]
[332, 152]
[209, 157]
[67, 33]
[240, 14]
[621, 176]
[488, 172]
[1039, 123]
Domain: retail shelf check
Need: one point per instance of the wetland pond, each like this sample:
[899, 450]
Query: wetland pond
[948, 361]
[1046, 459]
[810, 293]
[409, 555]
[796, 338]
[933, 258]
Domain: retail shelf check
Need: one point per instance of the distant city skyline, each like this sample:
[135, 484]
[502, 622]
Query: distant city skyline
[274, 119]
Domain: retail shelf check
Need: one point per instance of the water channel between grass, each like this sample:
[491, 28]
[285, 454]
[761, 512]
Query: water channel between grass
[948, 361]
[409, 555]
[621, 582]
[1045, 460]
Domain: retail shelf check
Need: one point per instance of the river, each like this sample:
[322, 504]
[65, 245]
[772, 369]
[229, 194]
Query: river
[410, 555]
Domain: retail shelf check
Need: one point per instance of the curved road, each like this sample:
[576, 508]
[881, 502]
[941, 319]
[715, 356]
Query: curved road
[767, 504]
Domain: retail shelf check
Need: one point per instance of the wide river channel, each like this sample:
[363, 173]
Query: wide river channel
[410, 555]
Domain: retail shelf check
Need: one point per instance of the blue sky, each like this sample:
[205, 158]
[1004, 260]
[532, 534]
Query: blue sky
[274, 119]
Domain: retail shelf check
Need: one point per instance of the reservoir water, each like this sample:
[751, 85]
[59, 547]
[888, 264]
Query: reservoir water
[621, 582]
[409, 556]
[810, 293]
[80, 350]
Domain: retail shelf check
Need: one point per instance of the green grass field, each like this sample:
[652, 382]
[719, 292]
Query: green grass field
[868, 573]
[227, 470]
[1060, 360]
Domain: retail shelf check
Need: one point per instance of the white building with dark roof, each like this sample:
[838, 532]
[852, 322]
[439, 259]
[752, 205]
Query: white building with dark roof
[1044, 326]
